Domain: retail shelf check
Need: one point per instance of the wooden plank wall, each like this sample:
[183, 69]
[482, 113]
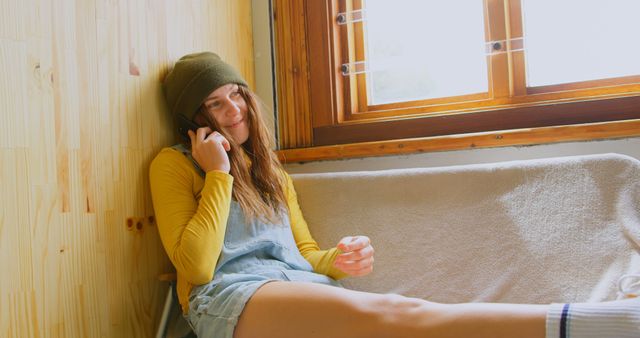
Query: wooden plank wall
[82, 116]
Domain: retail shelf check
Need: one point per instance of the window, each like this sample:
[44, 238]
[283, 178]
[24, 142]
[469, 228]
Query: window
[372, 70]
[400, 64]
[600, 42]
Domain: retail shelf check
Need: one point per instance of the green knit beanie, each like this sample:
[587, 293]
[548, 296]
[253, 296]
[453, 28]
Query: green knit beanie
[193, 78]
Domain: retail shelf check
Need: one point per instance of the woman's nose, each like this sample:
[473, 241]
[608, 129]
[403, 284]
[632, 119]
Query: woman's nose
[232, 107]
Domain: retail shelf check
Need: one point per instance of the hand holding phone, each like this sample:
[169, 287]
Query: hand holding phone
[209, 148]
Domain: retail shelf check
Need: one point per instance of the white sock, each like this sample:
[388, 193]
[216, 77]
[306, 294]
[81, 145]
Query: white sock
[615, 319]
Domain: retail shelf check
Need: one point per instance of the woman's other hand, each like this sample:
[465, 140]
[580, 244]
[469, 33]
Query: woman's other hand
[209, 148]
[356, 258]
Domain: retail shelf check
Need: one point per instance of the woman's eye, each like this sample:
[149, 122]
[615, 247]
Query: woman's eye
[213, 105]
[236, 93]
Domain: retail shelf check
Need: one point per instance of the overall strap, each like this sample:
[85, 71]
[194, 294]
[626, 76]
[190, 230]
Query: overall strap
[186, 152]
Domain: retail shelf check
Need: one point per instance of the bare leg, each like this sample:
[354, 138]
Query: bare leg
[294, 309]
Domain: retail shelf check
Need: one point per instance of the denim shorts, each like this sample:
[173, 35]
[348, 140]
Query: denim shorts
[214, 308]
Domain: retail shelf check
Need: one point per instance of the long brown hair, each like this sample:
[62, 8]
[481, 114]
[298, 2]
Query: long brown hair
[258, 185]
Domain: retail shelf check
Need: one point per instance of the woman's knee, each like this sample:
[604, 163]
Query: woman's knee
[400, 316]
[391, 307]
[287, 309]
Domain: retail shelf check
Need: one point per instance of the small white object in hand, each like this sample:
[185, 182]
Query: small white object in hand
[631, 290]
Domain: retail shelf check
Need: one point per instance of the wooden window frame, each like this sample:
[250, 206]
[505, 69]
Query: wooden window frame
[317, 106]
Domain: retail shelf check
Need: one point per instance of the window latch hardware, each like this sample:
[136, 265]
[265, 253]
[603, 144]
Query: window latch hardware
[350, 17]
[504, 46]
[354, 68]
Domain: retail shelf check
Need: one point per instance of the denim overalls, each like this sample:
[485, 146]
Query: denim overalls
[253, 253]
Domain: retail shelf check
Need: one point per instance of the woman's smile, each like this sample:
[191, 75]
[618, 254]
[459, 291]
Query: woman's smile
[236, 124]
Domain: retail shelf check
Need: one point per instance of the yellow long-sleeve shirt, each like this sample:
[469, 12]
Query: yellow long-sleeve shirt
[192, 212]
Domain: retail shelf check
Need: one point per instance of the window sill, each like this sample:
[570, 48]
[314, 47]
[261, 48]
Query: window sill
[516, 137]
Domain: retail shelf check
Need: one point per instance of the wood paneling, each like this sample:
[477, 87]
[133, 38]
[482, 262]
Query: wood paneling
[83, 115]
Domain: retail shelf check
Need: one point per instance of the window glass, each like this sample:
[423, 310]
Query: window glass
[579, 40]
[418, 50]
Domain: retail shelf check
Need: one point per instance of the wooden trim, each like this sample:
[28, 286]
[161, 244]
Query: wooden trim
[349, 55]
[443, 107]
[517, 65]
[554, 114]
[631, 80]
[319, 42]
[399, 108]
[360, 50]
[584, 132]
[497, 63]
[294, 111]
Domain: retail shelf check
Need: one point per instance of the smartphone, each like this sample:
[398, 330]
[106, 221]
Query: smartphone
[184, 125]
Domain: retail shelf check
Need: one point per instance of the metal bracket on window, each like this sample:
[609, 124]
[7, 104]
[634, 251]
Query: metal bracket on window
[504, 46]
[354, 68]
[349, 17]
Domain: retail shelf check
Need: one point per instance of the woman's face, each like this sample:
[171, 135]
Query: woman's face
[227, 106]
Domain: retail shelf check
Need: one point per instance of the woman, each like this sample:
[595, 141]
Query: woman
[247, 266]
